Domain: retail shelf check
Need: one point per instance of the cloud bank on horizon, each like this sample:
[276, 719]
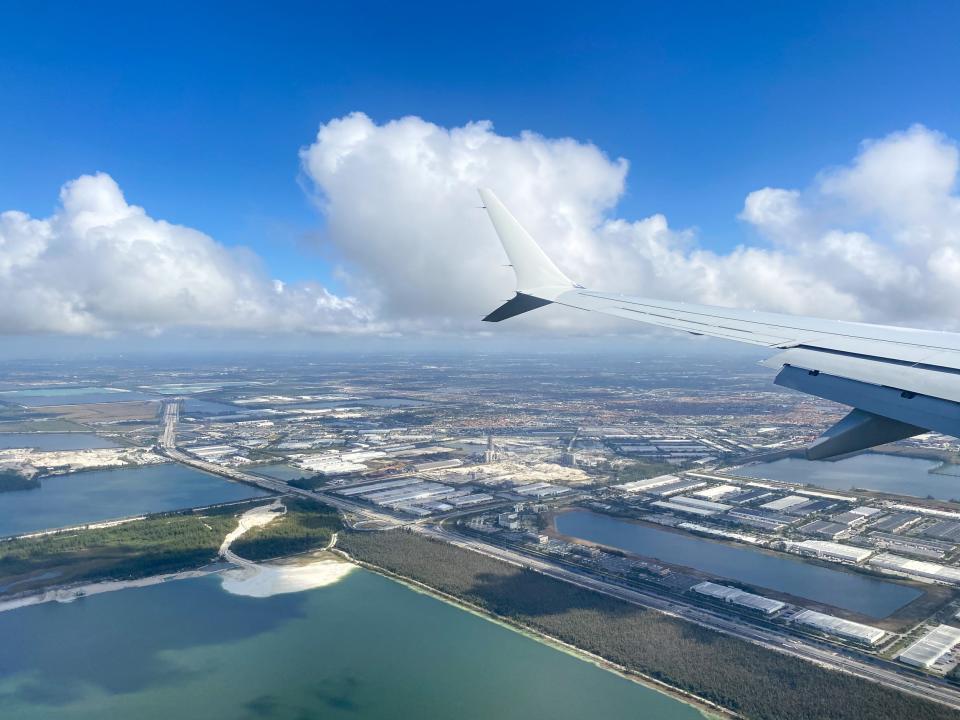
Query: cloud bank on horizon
[877, 239]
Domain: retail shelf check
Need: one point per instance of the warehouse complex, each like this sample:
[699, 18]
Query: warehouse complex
[830, 551]
[847, 629]
[932, 648]
[736, 596]
[917, 568]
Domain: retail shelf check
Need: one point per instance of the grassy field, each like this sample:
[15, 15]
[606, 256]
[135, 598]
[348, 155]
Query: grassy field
[750, 680]
[43, 425]
[309, 482]
[643, 469]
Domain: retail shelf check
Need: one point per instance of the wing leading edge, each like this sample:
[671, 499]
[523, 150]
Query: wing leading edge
[899, 381]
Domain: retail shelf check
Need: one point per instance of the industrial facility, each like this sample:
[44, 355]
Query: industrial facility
[835, 552]
[846, 629]
[917, 568]
[767, 606]
[933, 648]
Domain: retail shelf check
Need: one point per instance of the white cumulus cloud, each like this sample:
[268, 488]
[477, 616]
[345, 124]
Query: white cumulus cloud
[100, 265]
[876, 239]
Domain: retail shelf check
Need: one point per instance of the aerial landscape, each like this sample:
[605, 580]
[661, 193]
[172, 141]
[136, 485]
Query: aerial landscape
[515, 361]
[572, 511]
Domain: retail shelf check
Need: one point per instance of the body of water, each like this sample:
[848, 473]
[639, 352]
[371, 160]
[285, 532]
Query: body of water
[84, 497]
[46, 397]
[360, 402]
[55, 441]
[279, 471]
[192, 406]
[783, 573]
[870, 471]
[365, 648]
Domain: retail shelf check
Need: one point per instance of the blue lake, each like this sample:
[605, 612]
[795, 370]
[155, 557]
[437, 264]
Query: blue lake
[870, 471]
[50, 397]
[360, 402]
[783, 573]
[84, 497]
[192, 406]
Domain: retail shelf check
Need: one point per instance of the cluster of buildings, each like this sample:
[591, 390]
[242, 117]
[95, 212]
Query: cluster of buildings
[915, 541]
[427, 439]
[937, 649]
[415, 496]
[846, 629]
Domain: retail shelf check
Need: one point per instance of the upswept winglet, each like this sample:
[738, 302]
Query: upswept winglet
[539, 281]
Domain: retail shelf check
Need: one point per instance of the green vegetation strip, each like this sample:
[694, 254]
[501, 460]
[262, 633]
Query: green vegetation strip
[305, 526]
[641, 470]
[159, 544]
[748, 679]
[155, 545]
[311, 482]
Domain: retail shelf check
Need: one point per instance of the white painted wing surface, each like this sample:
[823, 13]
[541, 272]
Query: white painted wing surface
[901, 381]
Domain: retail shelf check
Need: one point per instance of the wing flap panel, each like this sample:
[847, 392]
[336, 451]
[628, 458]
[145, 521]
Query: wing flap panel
[924, 381]
[858, 431]
[925, 412]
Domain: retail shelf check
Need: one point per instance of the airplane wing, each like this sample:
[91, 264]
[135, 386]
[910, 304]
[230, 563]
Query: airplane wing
[899, 381]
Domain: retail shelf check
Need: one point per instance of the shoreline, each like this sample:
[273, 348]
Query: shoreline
[69, 593]
[702, 705]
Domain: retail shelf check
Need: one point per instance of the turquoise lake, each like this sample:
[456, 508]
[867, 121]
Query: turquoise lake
[365, 648]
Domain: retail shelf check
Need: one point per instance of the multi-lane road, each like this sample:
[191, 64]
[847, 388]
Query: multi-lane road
[834, 658]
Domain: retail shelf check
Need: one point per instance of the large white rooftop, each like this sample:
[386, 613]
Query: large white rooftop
[717, 491]
[838, 626]
[784, 503]
[641, 485]
[698, 503]
[668, 505]
[919, 568]
[736, 596]
[926, 651]
[831, 550]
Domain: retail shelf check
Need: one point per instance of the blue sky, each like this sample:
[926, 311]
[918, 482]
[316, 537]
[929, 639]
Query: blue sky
[198, 110]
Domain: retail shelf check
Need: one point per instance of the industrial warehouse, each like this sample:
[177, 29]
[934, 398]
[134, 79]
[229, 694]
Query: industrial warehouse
[838, 626]
[739, 597]
[933, 649]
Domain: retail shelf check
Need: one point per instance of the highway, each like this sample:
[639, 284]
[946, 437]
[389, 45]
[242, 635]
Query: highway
[168, 433]
[168, 446]
[873, 669]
